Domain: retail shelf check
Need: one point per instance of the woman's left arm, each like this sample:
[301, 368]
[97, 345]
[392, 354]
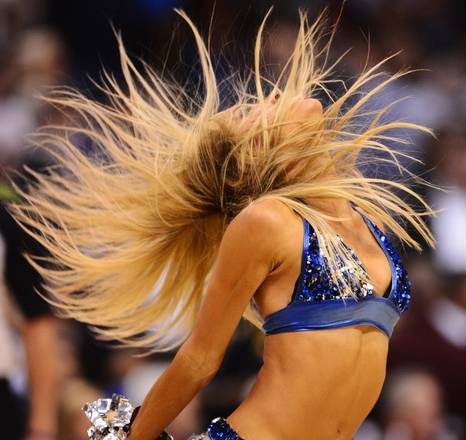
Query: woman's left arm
[246, 255]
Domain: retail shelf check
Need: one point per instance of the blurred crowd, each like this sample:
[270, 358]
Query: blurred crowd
[50, 367]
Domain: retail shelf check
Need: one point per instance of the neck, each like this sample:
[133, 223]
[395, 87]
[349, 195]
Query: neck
[336, 207]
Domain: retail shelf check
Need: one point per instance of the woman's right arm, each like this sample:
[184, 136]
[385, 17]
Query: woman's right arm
[246, 255]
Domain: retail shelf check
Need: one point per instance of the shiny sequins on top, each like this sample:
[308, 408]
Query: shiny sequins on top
[219, 429]
[317, 285]
[401, 294]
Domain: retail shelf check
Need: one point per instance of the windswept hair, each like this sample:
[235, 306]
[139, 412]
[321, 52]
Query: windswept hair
[133, 229]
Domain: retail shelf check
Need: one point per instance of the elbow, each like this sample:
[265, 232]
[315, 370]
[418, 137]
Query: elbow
[207, 374]
[201, 366]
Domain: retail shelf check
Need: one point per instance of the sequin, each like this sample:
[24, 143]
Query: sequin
[317, 285]
[219, 429]
[401, 294]
[318, 302]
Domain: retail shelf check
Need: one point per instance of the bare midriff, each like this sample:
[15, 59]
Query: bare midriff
[314, 385]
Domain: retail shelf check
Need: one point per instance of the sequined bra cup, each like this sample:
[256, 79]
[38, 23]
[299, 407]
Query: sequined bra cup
[316, 302]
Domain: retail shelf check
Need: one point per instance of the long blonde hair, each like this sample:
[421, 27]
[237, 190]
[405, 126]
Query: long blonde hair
[133, 229]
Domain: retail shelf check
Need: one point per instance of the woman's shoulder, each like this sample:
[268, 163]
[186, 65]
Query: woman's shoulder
[267, 212]
[266, 218]
[259, 232]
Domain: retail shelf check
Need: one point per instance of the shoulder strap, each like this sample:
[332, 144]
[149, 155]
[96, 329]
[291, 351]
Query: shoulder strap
[305, 249]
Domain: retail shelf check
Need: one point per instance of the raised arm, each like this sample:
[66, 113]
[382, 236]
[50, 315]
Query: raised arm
[247, 254]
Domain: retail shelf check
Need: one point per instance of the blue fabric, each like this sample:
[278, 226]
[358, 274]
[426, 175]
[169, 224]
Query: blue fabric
[298, 316]
[317, 302]
[219, 429]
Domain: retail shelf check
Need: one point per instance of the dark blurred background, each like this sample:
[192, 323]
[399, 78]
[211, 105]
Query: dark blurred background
[49, 368]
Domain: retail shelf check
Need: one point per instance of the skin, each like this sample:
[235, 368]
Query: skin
[314, 384]
[287, 400]
[40, 337]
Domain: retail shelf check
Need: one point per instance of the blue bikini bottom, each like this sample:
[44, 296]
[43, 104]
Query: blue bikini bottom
[218, 429]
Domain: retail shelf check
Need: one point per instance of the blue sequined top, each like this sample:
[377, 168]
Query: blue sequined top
[219, 429]
[317, 302]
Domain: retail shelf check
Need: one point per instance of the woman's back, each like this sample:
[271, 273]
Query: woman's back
[314, 384]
